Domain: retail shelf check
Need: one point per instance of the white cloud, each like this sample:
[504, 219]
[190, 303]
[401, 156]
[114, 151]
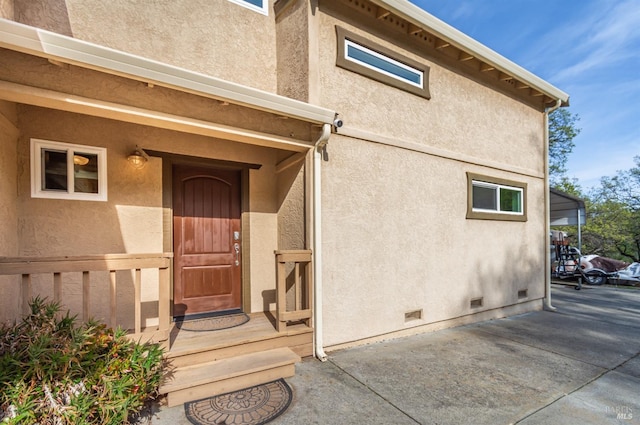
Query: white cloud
[603, 38]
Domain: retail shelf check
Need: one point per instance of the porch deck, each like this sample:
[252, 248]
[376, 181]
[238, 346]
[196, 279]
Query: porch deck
[202, 364]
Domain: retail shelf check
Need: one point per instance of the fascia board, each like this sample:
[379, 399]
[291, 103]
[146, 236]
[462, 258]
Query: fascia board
[421, 18]
[38, 42]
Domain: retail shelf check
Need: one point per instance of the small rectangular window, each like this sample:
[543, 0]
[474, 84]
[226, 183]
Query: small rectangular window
[495, 199]
[260, 6]
[66, 171]
[380, 63]
[357, 54]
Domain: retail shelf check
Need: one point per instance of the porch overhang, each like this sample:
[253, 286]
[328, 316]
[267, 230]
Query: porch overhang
[64, 50]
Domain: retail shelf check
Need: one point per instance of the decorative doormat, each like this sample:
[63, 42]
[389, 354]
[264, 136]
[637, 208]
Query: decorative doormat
[252, 406]
[213, 323]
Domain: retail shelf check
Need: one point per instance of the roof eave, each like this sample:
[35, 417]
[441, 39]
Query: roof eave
[421, 18]
[50, 45]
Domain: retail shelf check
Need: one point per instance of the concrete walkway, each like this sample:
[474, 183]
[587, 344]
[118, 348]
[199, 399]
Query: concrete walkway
[577, 365]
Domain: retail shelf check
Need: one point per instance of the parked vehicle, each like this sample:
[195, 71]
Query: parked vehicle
[571, 264]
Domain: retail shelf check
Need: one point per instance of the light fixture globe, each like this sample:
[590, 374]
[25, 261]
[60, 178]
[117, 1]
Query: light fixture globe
[137, 159]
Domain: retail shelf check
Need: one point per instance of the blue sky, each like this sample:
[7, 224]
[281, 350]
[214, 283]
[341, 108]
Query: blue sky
[587, 48]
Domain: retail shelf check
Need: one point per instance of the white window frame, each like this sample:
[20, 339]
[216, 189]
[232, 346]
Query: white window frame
[264, 9]
[348, 43]
[497, 187]
[477, 180]
[37, 190]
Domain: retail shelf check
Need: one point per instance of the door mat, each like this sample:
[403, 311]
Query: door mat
[252, 406]
[213, 323]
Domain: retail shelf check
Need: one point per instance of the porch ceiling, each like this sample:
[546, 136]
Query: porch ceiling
[20, 93]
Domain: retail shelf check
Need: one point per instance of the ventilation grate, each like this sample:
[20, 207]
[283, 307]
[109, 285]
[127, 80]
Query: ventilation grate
[410, 316]
[476, 302]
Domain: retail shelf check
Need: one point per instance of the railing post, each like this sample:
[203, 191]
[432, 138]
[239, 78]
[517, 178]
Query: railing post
[57, 287]
[26, 293]
[300, 312]
[86, 295]
[112, 299]
[137, 301]
[164, 299]
[281, 294]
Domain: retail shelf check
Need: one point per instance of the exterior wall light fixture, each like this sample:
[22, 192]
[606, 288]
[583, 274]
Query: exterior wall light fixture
[138, 158]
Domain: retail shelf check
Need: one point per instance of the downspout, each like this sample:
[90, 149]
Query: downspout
[318, 151]
[547, 208]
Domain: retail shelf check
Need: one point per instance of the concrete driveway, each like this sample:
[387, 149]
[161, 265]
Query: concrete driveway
[577, 365]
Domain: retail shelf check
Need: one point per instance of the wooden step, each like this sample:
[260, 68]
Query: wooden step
[231, 374]
[258, 334]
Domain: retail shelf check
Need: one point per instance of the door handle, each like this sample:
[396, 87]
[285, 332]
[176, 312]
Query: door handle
[236, 247]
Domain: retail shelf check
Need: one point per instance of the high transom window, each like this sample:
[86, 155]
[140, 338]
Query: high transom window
[357, 54]
[261, 6]
[67, 171]
[495, 199]
[383, 64]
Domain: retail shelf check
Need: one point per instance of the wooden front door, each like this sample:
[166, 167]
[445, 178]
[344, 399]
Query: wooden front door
[206, 232]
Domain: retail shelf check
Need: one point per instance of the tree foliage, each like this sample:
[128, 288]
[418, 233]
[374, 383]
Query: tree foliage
[613, 228]
[613, 209]
[562, 131]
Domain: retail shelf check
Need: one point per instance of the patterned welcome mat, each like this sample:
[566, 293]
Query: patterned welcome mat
[252, 406]
[213, 323]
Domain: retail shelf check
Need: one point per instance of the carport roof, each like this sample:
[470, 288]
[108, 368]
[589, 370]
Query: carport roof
[566, 209]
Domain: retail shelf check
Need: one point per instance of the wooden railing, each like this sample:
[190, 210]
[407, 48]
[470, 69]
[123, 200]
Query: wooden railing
[302, 288]
[111, 263]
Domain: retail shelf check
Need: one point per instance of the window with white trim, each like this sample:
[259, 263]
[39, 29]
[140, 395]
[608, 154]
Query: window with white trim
[496, 199]
[373, 60]
[360, 55]
[68, 171]
[260, 6]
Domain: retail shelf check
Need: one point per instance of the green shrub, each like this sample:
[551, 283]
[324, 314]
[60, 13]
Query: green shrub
[53, 371]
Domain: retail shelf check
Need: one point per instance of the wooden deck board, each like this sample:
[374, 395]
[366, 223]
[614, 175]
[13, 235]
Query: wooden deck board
[259, 328]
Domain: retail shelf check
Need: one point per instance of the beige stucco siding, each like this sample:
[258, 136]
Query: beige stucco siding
[8, 211]
[217, 37]
[293, 51]
[462, 116]
[396, 240]
[131, 220]
[6, 9]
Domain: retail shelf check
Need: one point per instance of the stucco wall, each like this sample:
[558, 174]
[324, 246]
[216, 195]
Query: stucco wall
[8, 211]
[131, 220]
[395, 235]
[462, 116]
[6, 9]
[293, 51]
[215, 37]
[396, 240]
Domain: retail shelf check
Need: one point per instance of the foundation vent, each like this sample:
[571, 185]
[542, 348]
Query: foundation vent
[522, 294]
[410, 316]
[476, 302]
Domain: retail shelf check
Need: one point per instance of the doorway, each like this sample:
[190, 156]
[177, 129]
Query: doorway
[206, 240]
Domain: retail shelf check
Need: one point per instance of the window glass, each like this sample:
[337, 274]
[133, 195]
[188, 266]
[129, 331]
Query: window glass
[54, 164]
[383, 64]
[260, 6]
[85, 172]
[484, 197]
[66, 171]
[510, 200]
[495, 198]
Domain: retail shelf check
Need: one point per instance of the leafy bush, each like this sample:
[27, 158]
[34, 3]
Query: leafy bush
[53, 371]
